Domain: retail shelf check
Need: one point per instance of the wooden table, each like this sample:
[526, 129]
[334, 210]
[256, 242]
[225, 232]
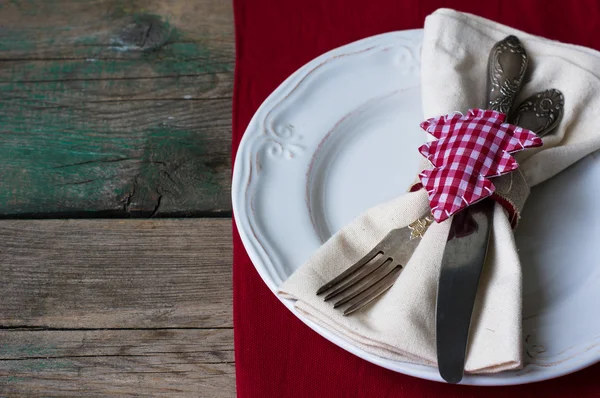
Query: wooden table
[115, 237]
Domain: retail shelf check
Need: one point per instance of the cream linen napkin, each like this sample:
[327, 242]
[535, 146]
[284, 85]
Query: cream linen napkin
[401, 324]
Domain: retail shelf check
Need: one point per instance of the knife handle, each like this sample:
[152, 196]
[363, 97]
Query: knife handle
[507, 65]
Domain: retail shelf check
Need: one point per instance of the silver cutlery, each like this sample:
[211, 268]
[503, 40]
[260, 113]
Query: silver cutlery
[467, 245]
[376, 272]
[358, 285]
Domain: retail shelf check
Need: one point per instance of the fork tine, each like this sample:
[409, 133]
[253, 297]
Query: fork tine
[368, 257]
[367, 282]
[374, 291]
[358, 276]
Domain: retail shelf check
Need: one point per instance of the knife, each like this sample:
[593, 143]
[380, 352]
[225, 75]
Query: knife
[540, 113]
[467, 245]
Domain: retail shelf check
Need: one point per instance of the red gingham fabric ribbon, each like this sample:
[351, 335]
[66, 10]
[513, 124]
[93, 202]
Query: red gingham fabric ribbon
[469, 149]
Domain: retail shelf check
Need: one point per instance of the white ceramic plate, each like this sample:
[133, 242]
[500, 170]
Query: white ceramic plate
[340, 135]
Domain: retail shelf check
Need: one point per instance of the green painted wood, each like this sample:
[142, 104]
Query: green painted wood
[115, 108]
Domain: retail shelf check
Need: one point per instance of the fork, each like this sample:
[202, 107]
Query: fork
[377, 271]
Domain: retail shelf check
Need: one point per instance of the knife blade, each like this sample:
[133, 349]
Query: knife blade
[540, 113]
[467, 245]
[464, 257]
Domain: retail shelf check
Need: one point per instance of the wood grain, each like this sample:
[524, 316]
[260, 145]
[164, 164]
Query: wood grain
[115, 108]
[115, 273]
[170, 363]
[116, 307]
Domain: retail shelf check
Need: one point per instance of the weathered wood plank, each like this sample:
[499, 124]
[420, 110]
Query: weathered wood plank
[112, 107]
[117, 362]
[118, 157]
[95, 274]
[76, 90]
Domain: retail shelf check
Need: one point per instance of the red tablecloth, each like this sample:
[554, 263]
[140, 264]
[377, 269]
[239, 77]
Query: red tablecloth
[276, 354]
